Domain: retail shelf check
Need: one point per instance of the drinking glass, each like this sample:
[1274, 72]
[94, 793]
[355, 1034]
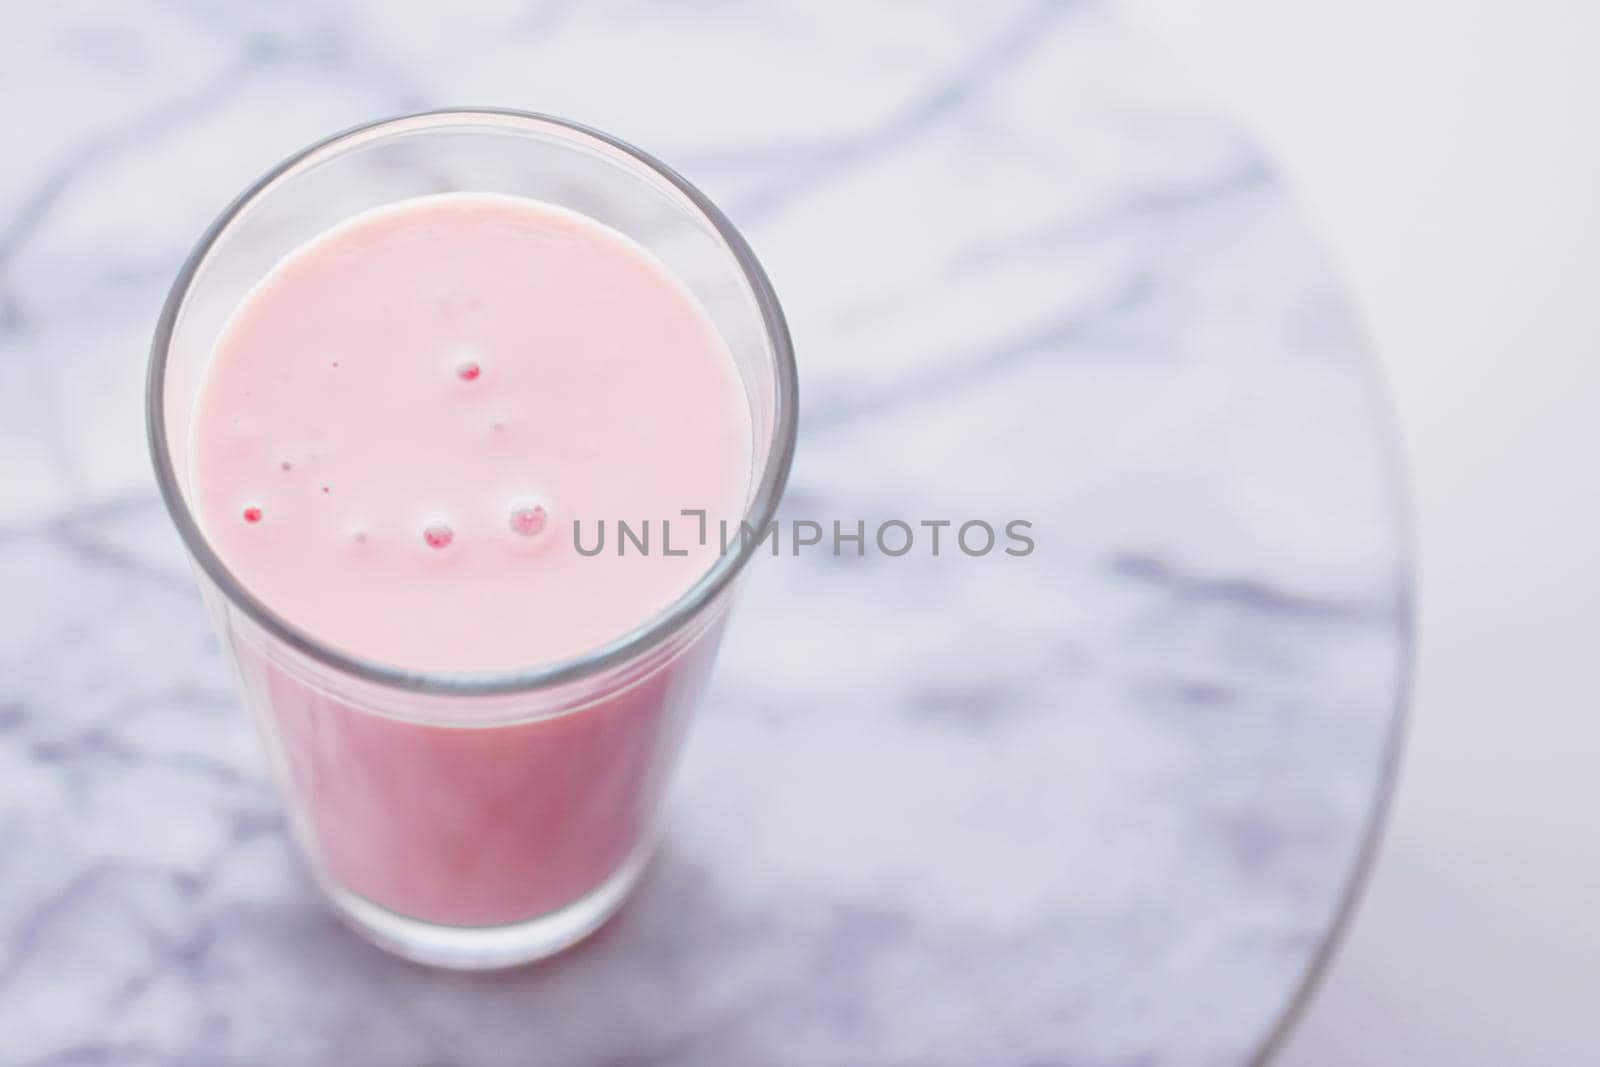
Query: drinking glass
[472, 820]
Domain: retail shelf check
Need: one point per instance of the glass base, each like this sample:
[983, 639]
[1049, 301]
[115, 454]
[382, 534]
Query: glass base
[487, 948]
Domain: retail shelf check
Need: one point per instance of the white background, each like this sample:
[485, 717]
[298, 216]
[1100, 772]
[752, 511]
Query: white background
[1450, 154]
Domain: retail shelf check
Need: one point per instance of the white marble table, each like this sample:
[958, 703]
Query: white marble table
[1101, 805]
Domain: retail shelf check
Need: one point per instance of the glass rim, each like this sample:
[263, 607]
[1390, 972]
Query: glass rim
[615, 653]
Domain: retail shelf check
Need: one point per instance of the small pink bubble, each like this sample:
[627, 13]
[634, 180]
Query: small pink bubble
[286, 465]
[529, 520]
[469, 371]
[252, 514]
[438, 535]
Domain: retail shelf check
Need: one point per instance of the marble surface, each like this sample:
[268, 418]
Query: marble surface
[1100, 805]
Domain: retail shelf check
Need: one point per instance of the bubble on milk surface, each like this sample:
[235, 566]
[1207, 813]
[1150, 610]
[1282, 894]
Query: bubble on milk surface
[529, 519]
[438, 534]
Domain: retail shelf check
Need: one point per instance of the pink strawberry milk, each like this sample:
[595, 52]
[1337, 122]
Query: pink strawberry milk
[396, 431]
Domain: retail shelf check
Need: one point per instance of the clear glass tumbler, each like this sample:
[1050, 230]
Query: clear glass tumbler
[473, 821]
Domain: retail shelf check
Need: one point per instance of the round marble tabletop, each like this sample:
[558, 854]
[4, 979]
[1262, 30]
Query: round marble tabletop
[1102, 804]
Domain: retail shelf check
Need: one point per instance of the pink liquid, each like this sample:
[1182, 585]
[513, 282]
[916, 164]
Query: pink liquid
[398, 428]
